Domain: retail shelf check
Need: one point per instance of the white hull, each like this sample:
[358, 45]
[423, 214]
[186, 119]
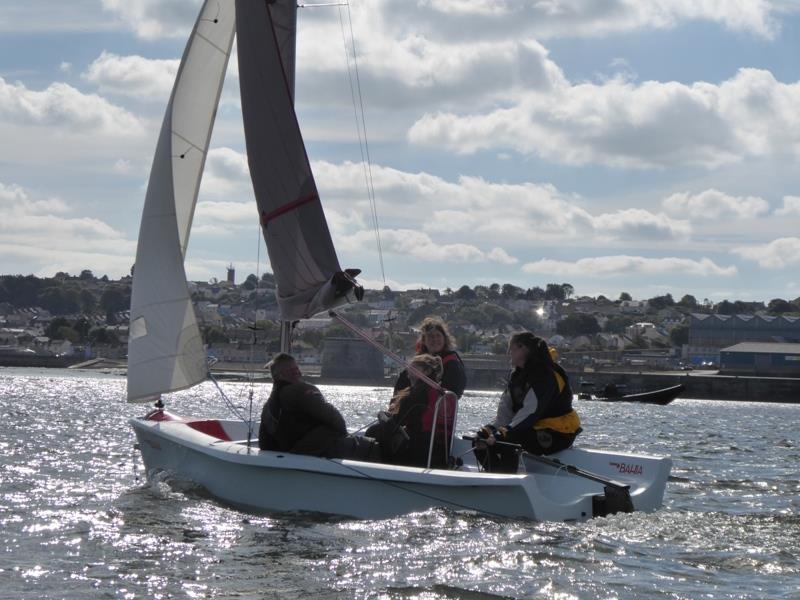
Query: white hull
[263, 481]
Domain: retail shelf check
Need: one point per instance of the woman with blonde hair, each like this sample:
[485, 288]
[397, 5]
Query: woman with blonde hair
[435, 339]
[404, 431]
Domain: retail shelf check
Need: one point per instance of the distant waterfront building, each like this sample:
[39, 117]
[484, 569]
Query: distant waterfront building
[708, 334]
[760, 358]
[349, 358]
[725, 330]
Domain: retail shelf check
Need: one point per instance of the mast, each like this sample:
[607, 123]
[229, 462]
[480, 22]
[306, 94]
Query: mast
[284, 16]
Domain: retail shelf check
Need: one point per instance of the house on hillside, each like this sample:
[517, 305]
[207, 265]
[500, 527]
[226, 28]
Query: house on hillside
[633, 307]
[582, 342]
[612, 341]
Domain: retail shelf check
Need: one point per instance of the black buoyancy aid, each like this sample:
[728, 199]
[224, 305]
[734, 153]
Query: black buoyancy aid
[553, 393]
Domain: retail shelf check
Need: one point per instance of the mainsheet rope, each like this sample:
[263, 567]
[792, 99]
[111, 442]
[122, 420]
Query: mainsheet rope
[411, 368]
[414, 371]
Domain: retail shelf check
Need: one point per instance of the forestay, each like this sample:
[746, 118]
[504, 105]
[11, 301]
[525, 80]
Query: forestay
[165, 350]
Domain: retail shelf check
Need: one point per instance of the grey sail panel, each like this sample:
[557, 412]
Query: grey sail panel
[165, 347]
[301, 251]
[284, 22]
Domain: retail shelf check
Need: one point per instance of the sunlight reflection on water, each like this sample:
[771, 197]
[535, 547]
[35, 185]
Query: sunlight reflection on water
[76, 522]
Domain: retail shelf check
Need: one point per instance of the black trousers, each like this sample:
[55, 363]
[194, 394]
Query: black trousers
[504, 458]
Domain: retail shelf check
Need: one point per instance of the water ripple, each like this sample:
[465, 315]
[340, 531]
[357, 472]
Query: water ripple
[80, 521]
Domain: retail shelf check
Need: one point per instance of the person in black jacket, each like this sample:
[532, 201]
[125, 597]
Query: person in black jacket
[535, 410]
[297, 418]
[435, 339]
[404, 432]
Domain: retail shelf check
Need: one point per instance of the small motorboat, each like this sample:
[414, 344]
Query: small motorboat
[616, 393]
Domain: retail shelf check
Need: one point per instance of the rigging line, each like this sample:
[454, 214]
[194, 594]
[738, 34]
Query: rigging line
[366, 142]
[355, 114]
[365, 156]
[410, 367]
[227, 400]
[251, 375]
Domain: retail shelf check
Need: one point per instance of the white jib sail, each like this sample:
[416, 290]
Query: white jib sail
[301, 253]
[165, 348]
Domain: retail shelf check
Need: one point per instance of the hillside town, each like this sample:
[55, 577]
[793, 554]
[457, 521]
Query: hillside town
[69, 319]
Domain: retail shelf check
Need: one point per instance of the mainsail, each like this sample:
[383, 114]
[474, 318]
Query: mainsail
[307, 272]
[165, 348]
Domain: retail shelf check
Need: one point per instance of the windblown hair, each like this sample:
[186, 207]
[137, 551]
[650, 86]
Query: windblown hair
[429, 365]
[278, 362]
[430, 324]
[538, 351]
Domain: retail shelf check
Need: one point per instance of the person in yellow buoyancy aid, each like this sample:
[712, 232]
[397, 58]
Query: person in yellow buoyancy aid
[535, 410]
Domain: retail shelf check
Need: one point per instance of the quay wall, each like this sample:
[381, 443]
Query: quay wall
[490, 374]
[700, 385]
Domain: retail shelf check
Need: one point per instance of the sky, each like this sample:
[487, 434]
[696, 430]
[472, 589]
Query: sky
[638, 146]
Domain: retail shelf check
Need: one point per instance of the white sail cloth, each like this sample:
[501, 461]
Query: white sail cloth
[165, 349]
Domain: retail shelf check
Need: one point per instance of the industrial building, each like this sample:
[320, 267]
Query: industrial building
[709, 334]
[761, 358]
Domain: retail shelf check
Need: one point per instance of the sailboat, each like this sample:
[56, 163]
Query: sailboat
[166, 351]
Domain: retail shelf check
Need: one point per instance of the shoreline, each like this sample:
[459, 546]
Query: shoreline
[699, 385]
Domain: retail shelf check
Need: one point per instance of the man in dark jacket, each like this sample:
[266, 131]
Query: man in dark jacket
[297, 418]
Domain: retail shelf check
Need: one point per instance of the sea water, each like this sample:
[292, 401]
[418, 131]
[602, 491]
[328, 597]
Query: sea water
[78, 518]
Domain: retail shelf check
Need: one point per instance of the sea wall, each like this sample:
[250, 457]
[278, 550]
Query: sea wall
[701, 386]
[47, 362]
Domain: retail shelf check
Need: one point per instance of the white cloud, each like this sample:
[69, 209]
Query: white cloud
[499, 255]
[483, 211]
[778, 254]
[135, 76]
[123, 166]
[152, 19]
[611, 266]
[620, 124]
[578, 18]
[713, 204]
[65, 109]
[640, 224]
[241, 214]
[52, 16]
[16, 204]
[32, 228]
[12, 193]
[148, 79]
[419, 246]
[790, 208]
[226, 175]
